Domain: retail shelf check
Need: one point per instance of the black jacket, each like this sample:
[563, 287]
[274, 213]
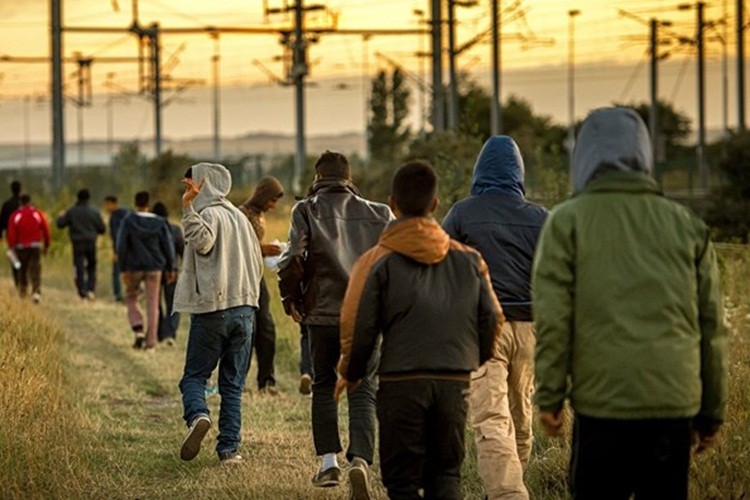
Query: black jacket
[11, 205]
[501, 224]
[115, 220]
[84, 221]
[330, 229]
[145, 243]
[429, 296]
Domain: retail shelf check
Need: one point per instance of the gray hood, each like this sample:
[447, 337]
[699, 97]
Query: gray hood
[611, 139]
[218, 183]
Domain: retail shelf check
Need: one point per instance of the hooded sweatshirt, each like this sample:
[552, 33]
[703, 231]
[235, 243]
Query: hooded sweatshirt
[431, 299]
[268, 188]
[144, 243]
[627, 291]
[223, 265]
[498, 222]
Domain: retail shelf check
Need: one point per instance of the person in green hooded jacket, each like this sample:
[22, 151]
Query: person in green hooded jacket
[629, 318]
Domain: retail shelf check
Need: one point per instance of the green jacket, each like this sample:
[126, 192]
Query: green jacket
[628, 306]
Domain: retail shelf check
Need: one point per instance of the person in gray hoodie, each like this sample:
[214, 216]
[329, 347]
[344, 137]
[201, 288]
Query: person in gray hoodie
[498, 221]
[219, 286]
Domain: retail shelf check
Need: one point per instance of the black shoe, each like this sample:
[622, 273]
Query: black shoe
[230, 458]
[305, 384]
[140, 341]
[191, 445]
[327, 478]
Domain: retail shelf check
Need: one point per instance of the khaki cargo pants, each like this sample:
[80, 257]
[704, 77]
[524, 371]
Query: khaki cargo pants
[501, 412]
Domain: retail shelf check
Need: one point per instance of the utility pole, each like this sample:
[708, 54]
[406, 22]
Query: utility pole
[453, 96]
[58, 131]
[299, 71]
[653, 116]
[725, 71]
[26, 128]
[217, 111]
[438, 116]
[740, 14]
[421, 54]
[366, 93]
[571, 85]
[155, 44]
[110, 115]
[702, 166]
[495, 110]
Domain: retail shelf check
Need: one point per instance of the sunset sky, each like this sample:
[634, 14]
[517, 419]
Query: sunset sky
[603, 40]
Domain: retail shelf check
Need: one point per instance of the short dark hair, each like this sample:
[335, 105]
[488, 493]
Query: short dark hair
[25, 198]
[15, 187]
[111, 198]
[142, 198]
[333, 164]
[160, 209]
[83, 194]
[414, 188]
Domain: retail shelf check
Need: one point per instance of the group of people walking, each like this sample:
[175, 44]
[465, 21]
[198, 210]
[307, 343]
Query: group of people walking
[611, 301]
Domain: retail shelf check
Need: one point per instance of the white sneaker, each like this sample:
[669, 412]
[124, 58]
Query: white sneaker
[192, 443]
[36, 298]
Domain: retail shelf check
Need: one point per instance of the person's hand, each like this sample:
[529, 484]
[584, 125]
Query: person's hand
[270, 250]
[45, 250]
[342, 384]
[114, 258]
[170, 276]
[294, 313]
[552, 422]
[702, 442]
[191, 190]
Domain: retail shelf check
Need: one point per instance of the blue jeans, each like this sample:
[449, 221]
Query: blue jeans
[222, 337]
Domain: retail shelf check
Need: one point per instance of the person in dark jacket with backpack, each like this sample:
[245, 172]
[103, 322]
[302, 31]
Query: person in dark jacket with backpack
[498, 221]
[116, 215]
[145, 251]
[85, 223]
[431, 301]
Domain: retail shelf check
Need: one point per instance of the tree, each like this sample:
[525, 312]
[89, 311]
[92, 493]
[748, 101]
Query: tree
[389, 107]
[674, 126]
[730, 211]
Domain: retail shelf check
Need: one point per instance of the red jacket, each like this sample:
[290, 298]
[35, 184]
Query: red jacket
[27, 228]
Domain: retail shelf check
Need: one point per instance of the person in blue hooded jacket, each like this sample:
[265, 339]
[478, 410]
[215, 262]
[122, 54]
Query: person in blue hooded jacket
[498, 221]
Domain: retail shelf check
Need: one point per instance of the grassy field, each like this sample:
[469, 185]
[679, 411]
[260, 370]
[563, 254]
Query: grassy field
[85, 416]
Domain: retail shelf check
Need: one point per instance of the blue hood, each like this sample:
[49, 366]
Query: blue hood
[499, 167]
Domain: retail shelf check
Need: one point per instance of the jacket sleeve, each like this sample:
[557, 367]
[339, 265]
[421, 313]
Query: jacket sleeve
[199, 230]
[10, 232]
[714, 342]
[292, 260]
[360, 316]
[121, 246]
[179, 241]
[63, 220]
[45, 230]
[490, 318]
[101, 228]
[167, 243]
[553, 284]
[450, 224]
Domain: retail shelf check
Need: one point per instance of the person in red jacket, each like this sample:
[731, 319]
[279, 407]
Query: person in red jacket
[28, 236]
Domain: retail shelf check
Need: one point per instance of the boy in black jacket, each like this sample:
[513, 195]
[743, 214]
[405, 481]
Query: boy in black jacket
[431, 300]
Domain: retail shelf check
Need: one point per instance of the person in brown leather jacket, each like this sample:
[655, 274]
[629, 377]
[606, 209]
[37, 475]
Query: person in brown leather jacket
[267, 194]
[331, 227]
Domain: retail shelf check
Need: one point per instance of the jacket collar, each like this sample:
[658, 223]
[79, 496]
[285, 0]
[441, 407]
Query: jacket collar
[419, 238]
[333, 185]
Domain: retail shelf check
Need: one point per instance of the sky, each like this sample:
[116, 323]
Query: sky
[610, 55]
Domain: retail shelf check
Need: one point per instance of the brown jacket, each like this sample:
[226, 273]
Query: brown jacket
[330, 229]
[429, 297]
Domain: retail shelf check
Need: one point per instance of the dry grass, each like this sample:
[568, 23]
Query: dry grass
[86, 416]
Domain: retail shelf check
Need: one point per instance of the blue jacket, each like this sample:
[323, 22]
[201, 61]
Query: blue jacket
[498, 221]
[115, 220]
[144, 243]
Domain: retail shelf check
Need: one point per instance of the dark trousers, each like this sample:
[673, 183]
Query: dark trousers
[15, 274]
[422, 424]
[31, 270]
[325, 348]
[116, 285]
[169, 321]
[305, 361]
[84, 260]
[264, 340]
[222, 337]
[615, 459]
